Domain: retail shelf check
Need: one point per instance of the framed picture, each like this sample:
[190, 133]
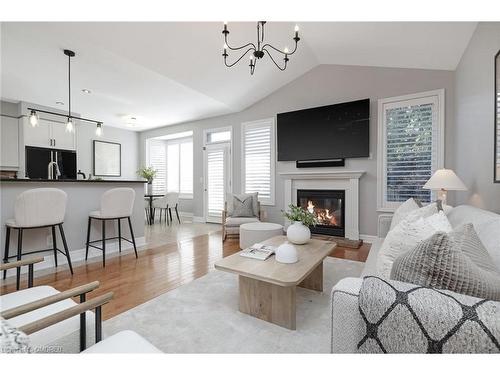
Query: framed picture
[496, 160]
[107, 159]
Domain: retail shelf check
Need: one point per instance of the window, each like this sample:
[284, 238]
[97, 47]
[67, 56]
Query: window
[258, 148]
[173, 159]
[411, 146]
[218, 136]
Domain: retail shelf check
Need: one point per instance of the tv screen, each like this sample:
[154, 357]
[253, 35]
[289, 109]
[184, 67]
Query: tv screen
[330, 132]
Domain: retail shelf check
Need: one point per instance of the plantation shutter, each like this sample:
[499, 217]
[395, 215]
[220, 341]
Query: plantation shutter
[411, 148]
[215, 182]
[157, 160]
[258, 159]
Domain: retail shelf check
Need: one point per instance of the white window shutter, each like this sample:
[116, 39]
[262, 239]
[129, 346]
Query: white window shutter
[157, 160]
[258, 159]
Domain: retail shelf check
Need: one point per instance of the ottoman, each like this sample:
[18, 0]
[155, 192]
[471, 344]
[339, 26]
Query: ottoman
[251, 233]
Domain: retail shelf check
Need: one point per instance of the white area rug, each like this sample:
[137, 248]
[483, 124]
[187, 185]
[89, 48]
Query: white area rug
[203, 317]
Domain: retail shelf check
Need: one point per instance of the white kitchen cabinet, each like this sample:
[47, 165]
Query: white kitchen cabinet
[49, 134]
[9, 157]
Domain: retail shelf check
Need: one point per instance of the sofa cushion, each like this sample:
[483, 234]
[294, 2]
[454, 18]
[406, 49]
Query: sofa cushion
[406, 235]
[237, 221]
[455, 261]
[403, 210]
[405, 318]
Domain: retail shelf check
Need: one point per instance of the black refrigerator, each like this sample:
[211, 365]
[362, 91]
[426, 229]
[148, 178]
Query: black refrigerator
[38, 159]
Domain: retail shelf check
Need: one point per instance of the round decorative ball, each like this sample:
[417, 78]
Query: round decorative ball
[298, 233]
[286, 253]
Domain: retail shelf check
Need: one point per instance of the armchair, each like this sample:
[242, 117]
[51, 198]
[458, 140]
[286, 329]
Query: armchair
[231, 224]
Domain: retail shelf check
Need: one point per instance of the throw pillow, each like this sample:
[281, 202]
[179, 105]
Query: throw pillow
[242, 197]
[456, 261]
[405, 236]
[405, 318]
[11, 339]
[242, 207]
[403, 210]
[489, 233]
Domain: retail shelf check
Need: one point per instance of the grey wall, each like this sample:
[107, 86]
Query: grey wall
[85, 134]
[474, 113]
[323, 85]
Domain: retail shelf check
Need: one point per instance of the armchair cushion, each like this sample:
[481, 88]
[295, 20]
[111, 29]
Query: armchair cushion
[123, 342]
[406, 318]
[11, 339]
[237, 221]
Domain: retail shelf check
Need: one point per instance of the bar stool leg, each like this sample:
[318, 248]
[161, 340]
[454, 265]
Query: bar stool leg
[103, 243]
[54, 243]
[88, 238]
[119, 236]
[6, 253]
[65, 244]
[132, 234]
[19, 251]
[170, 213]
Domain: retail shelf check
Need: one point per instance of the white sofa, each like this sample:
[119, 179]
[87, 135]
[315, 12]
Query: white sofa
[347, 326]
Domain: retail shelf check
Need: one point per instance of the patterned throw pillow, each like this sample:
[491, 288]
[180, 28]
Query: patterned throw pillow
[406, 235]
[11, 339]
[455, 261]
[242, 197]
[242, 207]
[406, 318]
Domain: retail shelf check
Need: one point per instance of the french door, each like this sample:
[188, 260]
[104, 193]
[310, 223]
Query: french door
[217, 180]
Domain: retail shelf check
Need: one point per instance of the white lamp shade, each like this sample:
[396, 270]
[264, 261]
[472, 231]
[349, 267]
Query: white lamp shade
[444, 179]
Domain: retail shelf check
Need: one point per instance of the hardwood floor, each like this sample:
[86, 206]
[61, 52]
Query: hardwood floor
[156, 271]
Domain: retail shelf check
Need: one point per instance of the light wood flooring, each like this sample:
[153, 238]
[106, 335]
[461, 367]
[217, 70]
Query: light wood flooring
[173, 258]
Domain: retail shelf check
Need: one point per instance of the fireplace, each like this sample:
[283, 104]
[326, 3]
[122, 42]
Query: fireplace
[328, 207]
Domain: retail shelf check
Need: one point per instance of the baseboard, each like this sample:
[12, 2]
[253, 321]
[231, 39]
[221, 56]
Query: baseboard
[368, 238]
[79, 255]
[198, 219]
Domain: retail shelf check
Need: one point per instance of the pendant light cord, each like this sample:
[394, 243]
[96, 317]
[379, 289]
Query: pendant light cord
[69, 86]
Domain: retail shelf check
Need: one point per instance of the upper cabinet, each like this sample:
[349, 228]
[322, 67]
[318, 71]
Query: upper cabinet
[9, 158]
[49, 134]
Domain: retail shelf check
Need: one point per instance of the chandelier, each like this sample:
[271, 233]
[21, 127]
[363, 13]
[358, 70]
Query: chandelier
[33, 117]
[258, 51]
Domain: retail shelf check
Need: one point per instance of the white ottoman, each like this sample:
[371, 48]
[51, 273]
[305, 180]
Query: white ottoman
[251, 233]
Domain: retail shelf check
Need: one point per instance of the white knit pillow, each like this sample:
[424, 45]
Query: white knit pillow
[403, 210]
[406, 235]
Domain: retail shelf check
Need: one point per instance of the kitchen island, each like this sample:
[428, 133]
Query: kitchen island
[83, 196]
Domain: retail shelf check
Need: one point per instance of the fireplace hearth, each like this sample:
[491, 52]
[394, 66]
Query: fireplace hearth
[328, 207]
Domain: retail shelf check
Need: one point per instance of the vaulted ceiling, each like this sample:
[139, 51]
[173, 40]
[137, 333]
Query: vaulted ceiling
[171, 72]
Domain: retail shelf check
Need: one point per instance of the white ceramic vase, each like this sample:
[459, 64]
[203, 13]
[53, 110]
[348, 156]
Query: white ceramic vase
[286, 253]
[298, 233]
[150, 188]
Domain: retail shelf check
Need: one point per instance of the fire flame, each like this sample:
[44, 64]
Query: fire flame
[324, 216]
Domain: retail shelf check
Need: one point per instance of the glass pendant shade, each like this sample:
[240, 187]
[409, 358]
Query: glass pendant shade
[33, 119]
[69, 125]
[98, 130]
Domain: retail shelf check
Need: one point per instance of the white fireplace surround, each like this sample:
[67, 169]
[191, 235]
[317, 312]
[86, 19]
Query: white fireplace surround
[341, 180]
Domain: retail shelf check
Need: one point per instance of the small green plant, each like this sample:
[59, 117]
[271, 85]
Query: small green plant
[148, 173]
[299, 214]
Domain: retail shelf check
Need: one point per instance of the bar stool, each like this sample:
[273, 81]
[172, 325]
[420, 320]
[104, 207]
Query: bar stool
[37, 208]
[116, 204]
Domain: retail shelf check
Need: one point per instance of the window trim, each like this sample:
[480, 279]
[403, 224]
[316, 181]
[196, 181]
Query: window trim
[437, 95]
[264, 202]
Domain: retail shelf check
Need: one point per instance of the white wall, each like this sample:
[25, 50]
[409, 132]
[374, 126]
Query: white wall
[323, 85]
[474, 113]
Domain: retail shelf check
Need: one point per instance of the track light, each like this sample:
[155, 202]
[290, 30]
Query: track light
[69, 125]
[34, 119]
[98, 130]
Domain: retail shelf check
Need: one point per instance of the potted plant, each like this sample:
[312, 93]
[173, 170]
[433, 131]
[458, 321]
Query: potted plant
[148, 173]
[299, 232]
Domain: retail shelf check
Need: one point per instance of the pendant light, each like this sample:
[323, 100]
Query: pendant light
[33, 119]
[69, 124]
[98, 130]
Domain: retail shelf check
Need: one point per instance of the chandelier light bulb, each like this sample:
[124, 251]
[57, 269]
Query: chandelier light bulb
[225, 46]
[251, 57]
[296, 28]
[69, 125]
[286, 50]
[98, 130]
[33, 119]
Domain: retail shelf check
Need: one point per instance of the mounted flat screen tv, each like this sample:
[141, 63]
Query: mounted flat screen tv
[331, 132]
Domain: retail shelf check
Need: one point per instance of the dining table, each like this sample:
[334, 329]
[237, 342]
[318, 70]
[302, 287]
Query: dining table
[151, 215]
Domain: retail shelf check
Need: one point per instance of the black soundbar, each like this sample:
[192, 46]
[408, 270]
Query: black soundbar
[320, 163]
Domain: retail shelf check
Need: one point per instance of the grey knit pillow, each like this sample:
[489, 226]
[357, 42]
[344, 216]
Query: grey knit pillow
[242, 207]
[456, 261]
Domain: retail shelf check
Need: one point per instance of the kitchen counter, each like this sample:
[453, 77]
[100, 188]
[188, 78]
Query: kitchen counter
[73, 181]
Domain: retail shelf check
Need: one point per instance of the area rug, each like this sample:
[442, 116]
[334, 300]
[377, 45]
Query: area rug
[203, 317]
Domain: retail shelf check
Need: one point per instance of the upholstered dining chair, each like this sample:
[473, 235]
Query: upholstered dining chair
[165, 204]
[232, 218]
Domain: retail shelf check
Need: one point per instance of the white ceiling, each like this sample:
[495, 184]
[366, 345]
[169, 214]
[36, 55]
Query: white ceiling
[171, 72]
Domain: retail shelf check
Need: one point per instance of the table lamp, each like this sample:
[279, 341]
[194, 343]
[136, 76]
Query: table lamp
[443, 180]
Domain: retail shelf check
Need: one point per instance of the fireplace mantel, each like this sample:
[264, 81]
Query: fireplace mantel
[338, 180]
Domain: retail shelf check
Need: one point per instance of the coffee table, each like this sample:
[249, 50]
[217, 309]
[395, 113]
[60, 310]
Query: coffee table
[268, 289]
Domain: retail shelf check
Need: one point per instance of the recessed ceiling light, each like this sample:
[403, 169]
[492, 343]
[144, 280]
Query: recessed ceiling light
[86, 91]
[59, 103]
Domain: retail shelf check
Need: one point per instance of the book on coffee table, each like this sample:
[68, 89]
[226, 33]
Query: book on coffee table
[258, 251]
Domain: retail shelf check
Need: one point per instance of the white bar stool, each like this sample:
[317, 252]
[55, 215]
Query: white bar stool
[37, 208]
[116, 204]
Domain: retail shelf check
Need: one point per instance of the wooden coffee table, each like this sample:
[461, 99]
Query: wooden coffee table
[268, 288]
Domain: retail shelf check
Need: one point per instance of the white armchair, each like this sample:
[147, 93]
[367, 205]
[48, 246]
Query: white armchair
[230, 223]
